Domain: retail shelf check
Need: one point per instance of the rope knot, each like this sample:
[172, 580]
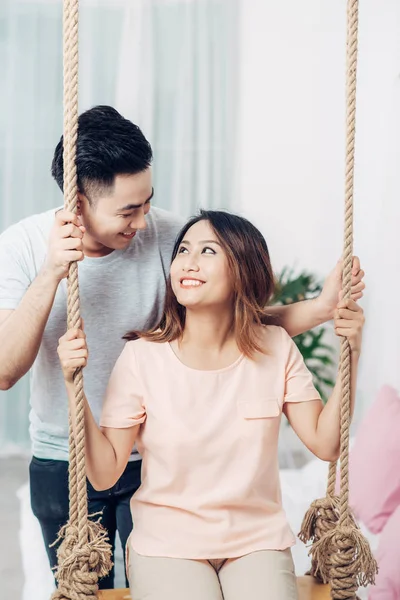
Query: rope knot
[81, 566]
[344, 557]
[319, 518]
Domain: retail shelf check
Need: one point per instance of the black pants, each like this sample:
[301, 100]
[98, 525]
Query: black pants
[49, 501]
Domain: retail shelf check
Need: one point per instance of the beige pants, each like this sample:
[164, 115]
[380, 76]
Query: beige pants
[265, 575]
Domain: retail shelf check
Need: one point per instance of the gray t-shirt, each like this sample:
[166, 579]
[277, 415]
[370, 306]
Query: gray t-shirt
[119, 292]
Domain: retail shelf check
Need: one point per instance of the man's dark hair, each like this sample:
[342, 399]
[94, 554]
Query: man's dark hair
[108, 145]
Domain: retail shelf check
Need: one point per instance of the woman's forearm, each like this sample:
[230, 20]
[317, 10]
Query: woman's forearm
[328, 426]
[101, 461]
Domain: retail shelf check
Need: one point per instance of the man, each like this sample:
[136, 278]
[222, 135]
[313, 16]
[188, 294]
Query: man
[125, 249]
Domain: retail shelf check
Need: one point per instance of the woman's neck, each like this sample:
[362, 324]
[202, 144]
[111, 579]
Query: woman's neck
[208, 341]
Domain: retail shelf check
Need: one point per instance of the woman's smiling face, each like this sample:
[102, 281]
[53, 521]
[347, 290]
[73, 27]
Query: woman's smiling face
[200, 274]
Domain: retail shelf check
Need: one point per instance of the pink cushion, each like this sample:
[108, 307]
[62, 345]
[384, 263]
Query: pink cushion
[375, 462]
[387, 583]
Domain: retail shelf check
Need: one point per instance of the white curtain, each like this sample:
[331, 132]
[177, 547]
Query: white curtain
[168, 65]
[177, 79]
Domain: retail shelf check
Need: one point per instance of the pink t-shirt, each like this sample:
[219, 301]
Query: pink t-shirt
[209, 442]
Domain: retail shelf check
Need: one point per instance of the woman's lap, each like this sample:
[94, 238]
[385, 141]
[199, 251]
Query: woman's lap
[264, 575]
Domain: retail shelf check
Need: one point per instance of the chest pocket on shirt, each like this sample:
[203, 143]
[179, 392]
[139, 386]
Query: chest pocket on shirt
[259, 419]
[265, 408]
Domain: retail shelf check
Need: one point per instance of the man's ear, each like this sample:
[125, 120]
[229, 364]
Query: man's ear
[79, 204]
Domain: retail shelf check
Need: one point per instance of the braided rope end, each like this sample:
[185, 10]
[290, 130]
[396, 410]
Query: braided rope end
[344, 557]
[325, 509]
[80, 567]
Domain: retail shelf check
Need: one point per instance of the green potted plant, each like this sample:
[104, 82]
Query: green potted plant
[319, 356]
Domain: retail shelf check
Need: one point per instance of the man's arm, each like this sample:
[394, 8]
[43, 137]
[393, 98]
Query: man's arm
[302, 316]
[299, 317]
[21, 329]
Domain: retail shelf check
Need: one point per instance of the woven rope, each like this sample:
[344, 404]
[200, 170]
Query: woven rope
[70, 24]
[84, 554]
[345, 366]
[340, 554]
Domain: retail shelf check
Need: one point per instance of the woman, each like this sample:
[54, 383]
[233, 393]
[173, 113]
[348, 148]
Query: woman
[202, 396]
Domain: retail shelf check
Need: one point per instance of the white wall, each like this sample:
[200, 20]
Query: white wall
[292, 151]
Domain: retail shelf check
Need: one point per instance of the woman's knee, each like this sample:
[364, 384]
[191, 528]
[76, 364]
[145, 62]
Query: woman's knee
[158, 578]
[264, 575]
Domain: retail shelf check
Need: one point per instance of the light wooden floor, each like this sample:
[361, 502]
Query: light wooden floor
[308, 590]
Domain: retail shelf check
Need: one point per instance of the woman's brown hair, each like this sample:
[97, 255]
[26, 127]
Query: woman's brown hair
[252, 277]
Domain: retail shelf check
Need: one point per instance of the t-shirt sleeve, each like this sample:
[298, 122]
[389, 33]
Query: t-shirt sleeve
[299, 385]
[123, 404]
[14, 269]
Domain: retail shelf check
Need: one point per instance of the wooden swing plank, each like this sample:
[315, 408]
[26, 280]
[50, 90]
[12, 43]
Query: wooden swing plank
[114, 595]
[307, 587]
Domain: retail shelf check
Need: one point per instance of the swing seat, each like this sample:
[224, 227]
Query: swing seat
[307, 587]
[114, 595]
